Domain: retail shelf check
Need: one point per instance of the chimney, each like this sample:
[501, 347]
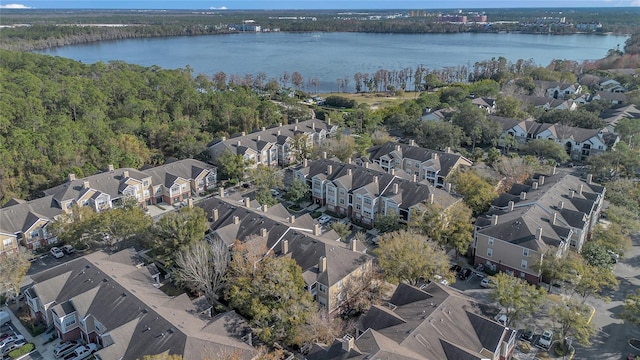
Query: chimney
[366, 165]
[573, 193]
[85, 185]
[328, 121]
[292, 219]
[313, 126]
[295, 127]
[110, 167]
[448, 187]
[397, 147]
[324, 154]
[238, 143]
[580, 189]
[223, 138]
[221, 192]
[448, 150]
[279, 125]
[296, 121]
[258, 138]
[305, 162]
[589, 178]
[347, 343]
[539, 234]
[392, 171]
[535, 185]
[214, 215]
[349, 172]
[412, 142]
[125, 174]
[523, 196]
[279, 131]
[247, 202]
[395, 188]
[265, 207]
[236, 220]
[553, 170]
[561, 205]
[329, 169]
[190, 203]
[243, 133]
[415, 177]
[541, 179]
[511, 205]
[375, 179]
[353, 245]
[494, 220]
[322, 264]
[432, 198]
[285, 245]
[317, 230]
[554, 217]
[349, 161]
[264, 128]
[434, 156]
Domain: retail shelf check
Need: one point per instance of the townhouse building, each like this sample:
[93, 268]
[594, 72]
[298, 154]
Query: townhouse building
[579, 143]
[549, 216]
[612, 116]
[25, 222]
[362, 192]
[330, 267]
[432, 322]
[558, 90]
[430, 165]
[549, 103]
[274, 146]
[113, 300]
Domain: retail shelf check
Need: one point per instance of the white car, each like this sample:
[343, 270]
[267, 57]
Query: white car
[56, 252]
[65, 348]
[324, 219]
[545, 339]
[82, 352]
[485, 282]
[275, 192]
[502, 319]
[68, 249]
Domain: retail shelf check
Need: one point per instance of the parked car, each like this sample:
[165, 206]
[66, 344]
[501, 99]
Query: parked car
[11, 339]
[527, 334]
[465, 273]
[56, 252]
[439, 279]
[275, 192]
[65, 348]
[614, 256]
[247, 185]
[545, 339]
[502, 319]
[68, 249]
[81, 352]
[324, 219]
[12, 346]
[485, 282]
[455, 268]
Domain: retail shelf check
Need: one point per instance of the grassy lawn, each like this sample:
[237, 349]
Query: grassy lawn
[374, 100]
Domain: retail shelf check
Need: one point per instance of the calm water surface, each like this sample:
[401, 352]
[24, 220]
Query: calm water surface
[329, 56]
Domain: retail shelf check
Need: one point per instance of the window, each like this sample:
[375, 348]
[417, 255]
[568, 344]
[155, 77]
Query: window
[490, 241]
[339, 284]
[489, 252]
[417, 165]
[69, 320]
[34, 234]
[7, 242]
[358, 207]
[145, 183]
[341, 191]
[409, 163]
[367, 201]
[523, 264]
[322, 288]
[525, 252]
[341, 201]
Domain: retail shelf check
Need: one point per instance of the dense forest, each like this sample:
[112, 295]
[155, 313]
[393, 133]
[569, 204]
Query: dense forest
[50, 28]
[59, 116]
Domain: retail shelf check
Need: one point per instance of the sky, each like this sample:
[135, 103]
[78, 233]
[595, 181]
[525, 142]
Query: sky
[306, 4]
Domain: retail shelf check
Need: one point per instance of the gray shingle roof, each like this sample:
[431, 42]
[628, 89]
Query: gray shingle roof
[446, 161]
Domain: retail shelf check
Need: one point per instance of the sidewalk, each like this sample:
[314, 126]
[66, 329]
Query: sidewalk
[38, 341]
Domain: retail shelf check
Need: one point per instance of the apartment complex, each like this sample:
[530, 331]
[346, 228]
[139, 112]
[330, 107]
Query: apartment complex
[25, 222]
[550, 215]
[329, 266]
[434, 322]
[430, 165]
[114, 302]
[273, 146]
[362, 192]
[579, 143]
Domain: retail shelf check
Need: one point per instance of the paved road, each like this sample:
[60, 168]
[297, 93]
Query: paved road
[611, 340]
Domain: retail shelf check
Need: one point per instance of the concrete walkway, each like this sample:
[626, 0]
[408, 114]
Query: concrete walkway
[45, 350]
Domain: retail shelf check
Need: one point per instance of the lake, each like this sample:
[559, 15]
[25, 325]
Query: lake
[330, 56]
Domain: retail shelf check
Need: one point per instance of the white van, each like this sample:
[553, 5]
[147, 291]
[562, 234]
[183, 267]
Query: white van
[5, 318]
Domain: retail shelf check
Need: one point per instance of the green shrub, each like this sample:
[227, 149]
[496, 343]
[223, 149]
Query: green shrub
[339, 101]
[27, 348]
[316, 214]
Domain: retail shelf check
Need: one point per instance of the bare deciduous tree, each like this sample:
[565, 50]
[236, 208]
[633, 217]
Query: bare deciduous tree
[203, 267]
